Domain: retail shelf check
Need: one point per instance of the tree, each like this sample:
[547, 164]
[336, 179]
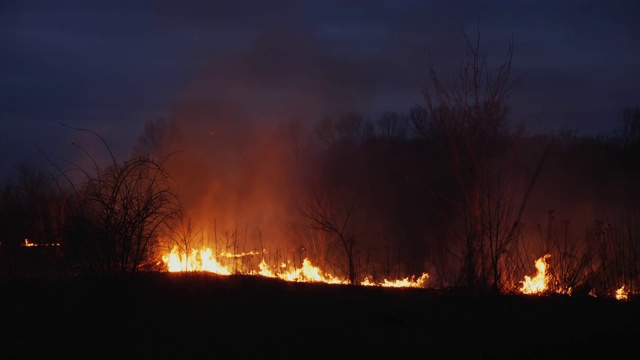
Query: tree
[157, 137]
[393, 125]
[346, 129]
[31, 211]
[333, 183]
[329, 211]
[467, 115]
[120, 213]
[628, 131]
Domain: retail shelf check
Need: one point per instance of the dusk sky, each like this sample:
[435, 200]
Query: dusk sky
[109, 66]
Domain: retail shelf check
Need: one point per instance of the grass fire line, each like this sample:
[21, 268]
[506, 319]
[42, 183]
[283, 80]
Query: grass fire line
[205, 260]
[539, 284]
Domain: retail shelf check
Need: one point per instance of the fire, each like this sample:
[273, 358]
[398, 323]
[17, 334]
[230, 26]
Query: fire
[420, 282]
[310, 273]
[537, 284]
[28, 243]
[265, 270]
[204, 260]
[196, 260]
[622, 294]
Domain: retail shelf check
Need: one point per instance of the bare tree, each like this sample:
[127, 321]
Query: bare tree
[31, 213]
[157, 139]
[393, 125]
[335, 214]
[121, 213]
[182, 233]
[348, 128]
[467, 114]
[628, 131]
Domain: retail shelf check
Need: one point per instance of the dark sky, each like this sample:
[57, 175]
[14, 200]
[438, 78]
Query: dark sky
[109, 66]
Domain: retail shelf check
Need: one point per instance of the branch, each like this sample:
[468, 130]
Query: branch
[113, 159]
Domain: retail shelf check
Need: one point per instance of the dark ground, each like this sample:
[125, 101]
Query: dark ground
[240, 317]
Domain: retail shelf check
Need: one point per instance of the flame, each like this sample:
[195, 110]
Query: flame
[28, 243]
[265, 270]
[196, 260]
[420, 282]
[310, 273]
[622, 294]
[537, 284]
[204, 260]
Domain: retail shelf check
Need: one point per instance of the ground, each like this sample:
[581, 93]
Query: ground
[207, 316]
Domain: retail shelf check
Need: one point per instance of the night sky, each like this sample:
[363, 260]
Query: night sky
[109, 66]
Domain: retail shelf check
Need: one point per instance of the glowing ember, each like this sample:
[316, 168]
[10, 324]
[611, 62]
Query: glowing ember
[622, 294]
[204, 260]
[537, 284]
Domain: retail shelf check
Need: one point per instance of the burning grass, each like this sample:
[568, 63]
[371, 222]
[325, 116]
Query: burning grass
[204, 259]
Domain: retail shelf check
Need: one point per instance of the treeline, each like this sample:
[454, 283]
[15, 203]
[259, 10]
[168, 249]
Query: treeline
[454, 187]
[380, 198]
[407, 201]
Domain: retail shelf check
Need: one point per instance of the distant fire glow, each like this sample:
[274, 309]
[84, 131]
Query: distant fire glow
[27, 243]
[622, 294]
[204, 260]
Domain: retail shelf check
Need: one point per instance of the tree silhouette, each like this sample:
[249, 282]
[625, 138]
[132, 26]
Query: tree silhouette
[467, 115]
[31, 212]
[119, 215]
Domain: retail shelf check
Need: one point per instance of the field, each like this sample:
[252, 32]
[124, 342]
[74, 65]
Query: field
[205, 316]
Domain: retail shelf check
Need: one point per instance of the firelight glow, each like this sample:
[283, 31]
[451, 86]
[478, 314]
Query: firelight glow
[203, 259]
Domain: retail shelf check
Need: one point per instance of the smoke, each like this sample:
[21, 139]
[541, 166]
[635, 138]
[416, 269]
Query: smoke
[233, 163]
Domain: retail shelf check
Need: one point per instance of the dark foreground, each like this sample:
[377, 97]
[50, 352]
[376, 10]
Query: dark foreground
[199, 316]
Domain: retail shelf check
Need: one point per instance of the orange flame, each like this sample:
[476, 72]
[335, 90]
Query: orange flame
[197, 260]
[421, 281]
[27, 243]
[537, 284]
[204, 260]
[622, 294]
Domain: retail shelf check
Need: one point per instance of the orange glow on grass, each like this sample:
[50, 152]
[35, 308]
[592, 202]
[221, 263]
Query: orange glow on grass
[204, 260]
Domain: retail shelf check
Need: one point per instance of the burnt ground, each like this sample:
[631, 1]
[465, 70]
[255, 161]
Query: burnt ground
[241, 317]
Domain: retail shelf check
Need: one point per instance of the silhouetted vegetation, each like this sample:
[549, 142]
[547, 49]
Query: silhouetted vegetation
[454, 187]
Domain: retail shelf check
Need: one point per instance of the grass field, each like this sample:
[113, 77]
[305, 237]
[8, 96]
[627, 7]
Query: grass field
[205, 316]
